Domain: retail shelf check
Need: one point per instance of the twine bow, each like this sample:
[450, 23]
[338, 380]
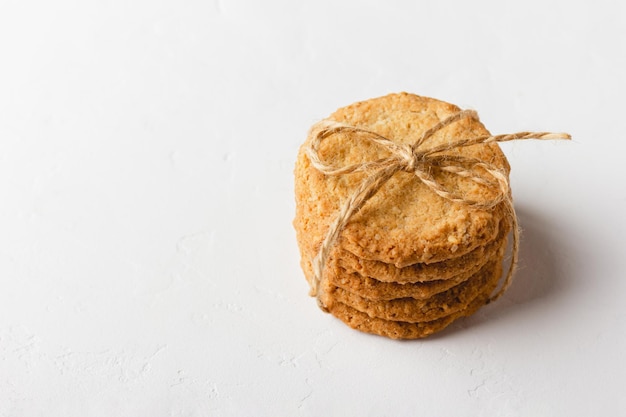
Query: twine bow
[412, 158]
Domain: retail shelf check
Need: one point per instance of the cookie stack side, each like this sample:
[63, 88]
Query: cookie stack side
[409, 262]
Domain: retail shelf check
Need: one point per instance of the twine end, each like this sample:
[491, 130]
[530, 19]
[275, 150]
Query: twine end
[565, 136]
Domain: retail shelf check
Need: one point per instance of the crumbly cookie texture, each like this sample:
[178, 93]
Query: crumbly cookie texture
[405, 330]
[342, 261]
[413, 311]
[400, 329]
[376, 290]
[421, 272]
[405, 222]
[386, 281]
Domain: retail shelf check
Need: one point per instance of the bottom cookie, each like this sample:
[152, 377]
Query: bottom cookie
[401, 329]
[413, 310]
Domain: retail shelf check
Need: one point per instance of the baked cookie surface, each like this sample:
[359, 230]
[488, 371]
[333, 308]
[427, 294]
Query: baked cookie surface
[422, 272]
[403, 211]
[376, 290]
[400, 329]
[405, 222]
[413, 310]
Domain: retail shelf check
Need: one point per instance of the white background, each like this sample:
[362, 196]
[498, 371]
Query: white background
[148, 266]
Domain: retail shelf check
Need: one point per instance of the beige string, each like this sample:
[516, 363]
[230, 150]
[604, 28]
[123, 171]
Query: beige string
[411, 158]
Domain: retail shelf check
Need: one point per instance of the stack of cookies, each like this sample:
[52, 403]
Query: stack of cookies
[413, 258]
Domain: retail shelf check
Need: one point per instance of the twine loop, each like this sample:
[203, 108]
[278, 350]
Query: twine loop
[420, 161]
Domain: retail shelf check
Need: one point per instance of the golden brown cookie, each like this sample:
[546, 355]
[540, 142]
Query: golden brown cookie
[404, 330]
[405, 222]
[420, 272]
[400, 329]
[343, 261]
[412, 310]
[376, 290]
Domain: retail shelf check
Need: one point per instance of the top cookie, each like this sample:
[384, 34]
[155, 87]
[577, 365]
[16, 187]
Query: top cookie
[405, 222]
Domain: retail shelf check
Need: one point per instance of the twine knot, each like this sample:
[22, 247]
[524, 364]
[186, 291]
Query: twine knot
[412, 158]
[418, 160]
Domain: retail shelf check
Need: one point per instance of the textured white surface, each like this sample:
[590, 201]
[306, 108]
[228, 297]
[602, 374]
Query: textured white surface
[148, 266]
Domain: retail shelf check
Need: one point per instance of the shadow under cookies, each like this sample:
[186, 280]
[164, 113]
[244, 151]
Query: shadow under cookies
[540, 276]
